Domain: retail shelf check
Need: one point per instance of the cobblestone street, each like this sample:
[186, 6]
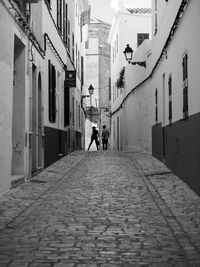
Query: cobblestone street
[101, 208]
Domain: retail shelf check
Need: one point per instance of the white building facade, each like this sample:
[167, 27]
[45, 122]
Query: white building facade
[130, 26]
[40, 113]
[160, 107]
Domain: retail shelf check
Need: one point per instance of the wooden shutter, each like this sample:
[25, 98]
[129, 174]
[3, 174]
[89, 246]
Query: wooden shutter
[54, 93]
[156, 109]
[170, 98]
[50, 90]
[185, 86]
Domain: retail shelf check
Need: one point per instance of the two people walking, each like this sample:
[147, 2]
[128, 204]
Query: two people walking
[95, 137]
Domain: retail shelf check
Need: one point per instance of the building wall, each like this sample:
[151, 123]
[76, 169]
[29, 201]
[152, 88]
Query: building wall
[124, 31]
[29, 141]
[180, 144]
[6, 89]
[17, 56]
[175, 142]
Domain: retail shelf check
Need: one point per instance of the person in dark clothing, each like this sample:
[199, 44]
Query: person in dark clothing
[94, 137]
[105, 135]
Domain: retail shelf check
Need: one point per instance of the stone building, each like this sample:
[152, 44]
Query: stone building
[97, 73]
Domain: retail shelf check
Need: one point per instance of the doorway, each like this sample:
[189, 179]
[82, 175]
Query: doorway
[18, 113]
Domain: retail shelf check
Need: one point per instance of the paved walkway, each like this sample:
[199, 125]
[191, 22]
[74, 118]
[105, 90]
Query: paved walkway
[101, 208]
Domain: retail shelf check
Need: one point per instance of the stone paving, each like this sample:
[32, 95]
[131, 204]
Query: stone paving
[101, 208]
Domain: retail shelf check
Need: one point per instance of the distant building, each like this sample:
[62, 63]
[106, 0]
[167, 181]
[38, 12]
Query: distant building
[97, 73]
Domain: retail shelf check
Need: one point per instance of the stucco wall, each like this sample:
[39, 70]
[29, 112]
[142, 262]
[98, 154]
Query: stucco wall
[6, 73]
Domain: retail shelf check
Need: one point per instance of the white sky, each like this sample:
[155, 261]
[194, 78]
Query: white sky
[131, 3]
[101, 9]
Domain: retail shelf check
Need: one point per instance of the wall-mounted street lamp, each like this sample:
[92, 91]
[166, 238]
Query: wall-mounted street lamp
[91, 91]
[107, 112]
[128, 52]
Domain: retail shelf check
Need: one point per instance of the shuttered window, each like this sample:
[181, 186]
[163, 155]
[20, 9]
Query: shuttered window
[59, 15]
[185, 85]
[68, 36]
[66, 24]
[52, 92]
[73, 110]
[170, 98]
[156, 105]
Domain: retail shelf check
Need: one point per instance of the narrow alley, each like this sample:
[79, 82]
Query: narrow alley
[101, 208]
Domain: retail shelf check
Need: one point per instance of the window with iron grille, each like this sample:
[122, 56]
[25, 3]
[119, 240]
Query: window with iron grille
[185, 85]
[170, 98]
[156, 105]
[52, 92]
[59, 15]
[141, 37]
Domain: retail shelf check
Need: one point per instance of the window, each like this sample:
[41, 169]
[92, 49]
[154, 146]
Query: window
[79, 63]
[76, 56]
[49, 3]
[59, 15]
[156, 104]
[155, 18]
[64, 21]
[170, 98]
[73, 111]
[52, 92]
[72, 46]
[77, 113]
[79, 116]
[185, 85]
[109, 82]
[141, 37]
[66, 106]
[155, 3]
[117, 43]
[68, 35]
[156, 24]
[82, 70]
[66, 25]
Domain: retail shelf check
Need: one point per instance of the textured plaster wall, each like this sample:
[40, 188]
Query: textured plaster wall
[6, 73]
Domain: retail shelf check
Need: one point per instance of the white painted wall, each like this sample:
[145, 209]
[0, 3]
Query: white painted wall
[124, 29]
[138, 112]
